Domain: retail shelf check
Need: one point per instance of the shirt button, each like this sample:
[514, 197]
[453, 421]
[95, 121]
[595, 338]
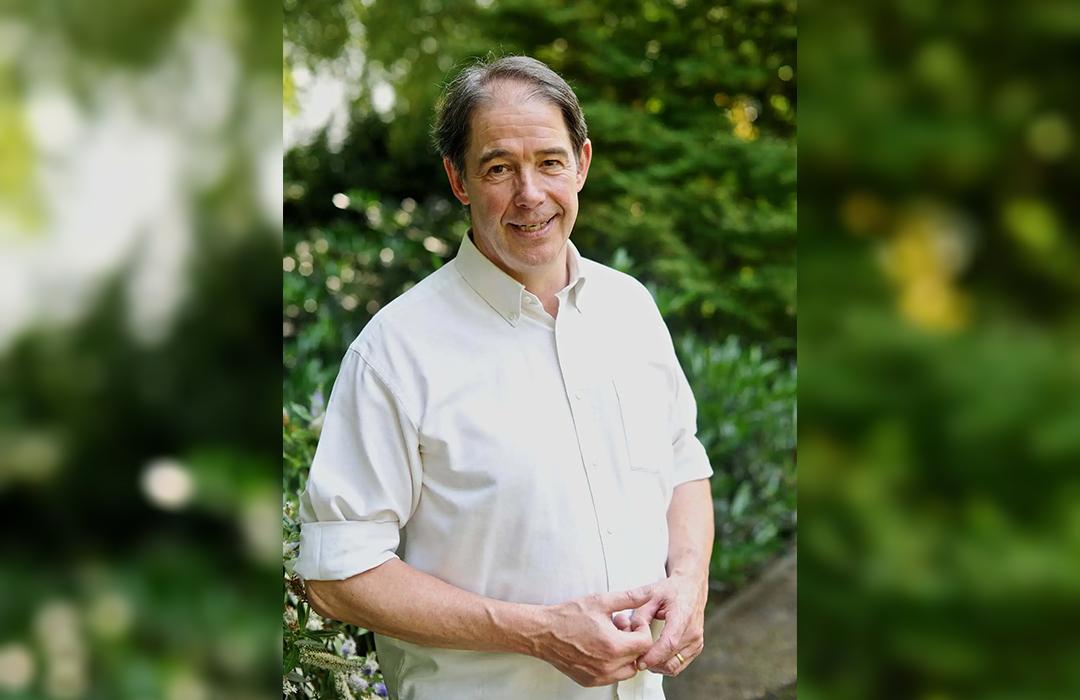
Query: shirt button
[530, 301]
[610, 531]
[577, 395]
[513, 317]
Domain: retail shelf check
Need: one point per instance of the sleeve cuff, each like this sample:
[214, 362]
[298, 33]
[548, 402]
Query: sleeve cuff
[691, 463]
[332, 551]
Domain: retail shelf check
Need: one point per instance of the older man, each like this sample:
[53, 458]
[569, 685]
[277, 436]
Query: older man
[508, 488]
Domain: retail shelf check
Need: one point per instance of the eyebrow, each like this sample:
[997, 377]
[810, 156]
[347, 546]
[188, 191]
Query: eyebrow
[493, 154]
[503, 153]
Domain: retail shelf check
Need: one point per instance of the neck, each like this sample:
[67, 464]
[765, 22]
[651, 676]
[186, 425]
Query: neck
[544, 281]
[547, 282]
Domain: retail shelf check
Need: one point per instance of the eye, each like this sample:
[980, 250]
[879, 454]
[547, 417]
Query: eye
[498, 170]
[552, 163]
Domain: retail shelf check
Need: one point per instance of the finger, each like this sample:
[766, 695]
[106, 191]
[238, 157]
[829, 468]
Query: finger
[625, 672]
[644, 615]
[621, 620]
[666, 646]
[630, 645]
[625, 600]
[673, 666]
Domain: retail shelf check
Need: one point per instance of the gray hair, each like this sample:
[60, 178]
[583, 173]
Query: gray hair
[472, 87]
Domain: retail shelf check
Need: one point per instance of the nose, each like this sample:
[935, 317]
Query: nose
[529, 194]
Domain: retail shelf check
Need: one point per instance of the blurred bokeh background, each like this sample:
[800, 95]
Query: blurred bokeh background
[939, 338]
[691, 109]
[140, 233]
[939, 350]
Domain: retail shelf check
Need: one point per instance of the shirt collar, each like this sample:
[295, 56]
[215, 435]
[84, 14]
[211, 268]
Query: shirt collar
[501, 291]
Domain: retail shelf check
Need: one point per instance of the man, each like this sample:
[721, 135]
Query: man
[507, 488]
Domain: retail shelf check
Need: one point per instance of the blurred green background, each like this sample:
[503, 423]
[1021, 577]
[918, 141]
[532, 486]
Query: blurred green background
[938, 335]
[691, 110]
[140, 224]
[938, 344]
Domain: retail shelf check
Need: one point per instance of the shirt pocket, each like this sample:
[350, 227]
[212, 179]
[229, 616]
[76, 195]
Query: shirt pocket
[643, 400]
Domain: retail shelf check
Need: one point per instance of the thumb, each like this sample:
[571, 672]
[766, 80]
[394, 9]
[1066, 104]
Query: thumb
[625, 600]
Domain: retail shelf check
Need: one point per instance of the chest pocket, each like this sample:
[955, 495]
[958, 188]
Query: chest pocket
[644, 406]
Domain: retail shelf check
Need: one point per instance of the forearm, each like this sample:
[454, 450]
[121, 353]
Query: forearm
[690, 530]
[400, 601]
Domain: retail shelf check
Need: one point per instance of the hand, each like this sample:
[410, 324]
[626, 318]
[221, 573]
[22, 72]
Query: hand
[580, 638]
[680, 602]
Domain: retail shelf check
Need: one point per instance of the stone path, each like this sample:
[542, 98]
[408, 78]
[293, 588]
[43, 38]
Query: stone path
[749, 644]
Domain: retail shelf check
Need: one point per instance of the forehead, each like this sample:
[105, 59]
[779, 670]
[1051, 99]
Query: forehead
[514, 118]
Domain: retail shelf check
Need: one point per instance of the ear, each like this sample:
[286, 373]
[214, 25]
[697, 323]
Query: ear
[457, 182]
[584, 158]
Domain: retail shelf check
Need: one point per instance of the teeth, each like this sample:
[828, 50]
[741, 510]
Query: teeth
[531, 227]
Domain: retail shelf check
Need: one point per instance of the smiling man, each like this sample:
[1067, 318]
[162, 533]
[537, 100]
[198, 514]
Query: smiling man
[508, 488]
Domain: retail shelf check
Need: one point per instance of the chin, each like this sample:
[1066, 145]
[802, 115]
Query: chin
[540, 255]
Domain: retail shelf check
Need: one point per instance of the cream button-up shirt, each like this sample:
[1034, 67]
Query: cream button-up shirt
[522, 457]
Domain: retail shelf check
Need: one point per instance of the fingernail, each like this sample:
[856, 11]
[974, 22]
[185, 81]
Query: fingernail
[641, 665]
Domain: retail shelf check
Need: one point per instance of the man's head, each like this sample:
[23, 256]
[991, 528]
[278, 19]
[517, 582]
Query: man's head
[515, 148]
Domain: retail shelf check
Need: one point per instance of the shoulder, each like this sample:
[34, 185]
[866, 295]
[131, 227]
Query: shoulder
[626, 311]
[616, 291]
[407, 317]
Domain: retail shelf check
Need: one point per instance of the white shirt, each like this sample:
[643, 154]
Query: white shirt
[522, 457]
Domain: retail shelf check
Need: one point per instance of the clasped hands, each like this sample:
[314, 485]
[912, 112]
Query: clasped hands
[595, 642]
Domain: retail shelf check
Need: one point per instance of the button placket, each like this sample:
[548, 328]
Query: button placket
[569, 344]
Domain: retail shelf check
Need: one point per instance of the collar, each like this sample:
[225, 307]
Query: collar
[501, 291]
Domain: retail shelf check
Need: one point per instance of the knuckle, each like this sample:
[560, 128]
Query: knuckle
[612, 669]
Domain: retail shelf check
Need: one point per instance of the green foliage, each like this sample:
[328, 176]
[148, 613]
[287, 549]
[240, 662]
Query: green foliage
[133, 598]
[138, 371]
[317, 654]
[939, 541]
[746, 421]
[691, 110]
[339, 275]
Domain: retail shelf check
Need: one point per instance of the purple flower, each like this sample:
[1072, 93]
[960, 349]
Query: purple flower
[348, 648]
[318, 403]
[369, 668]
[380, 689]
[357, 683]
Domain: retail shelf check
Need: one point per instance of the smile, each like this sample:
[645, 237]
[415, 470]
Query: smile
[533, 228]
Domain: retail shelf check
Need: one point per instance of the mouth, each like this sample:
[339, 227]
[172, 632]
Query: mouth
[532, 230]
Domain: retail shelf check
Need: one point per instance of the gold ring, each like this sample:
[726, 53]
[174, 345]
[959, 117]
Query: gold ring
[680, 658]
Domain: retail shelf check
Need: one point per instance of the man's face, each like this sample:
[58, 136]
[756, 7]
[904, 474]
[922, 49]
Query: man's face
[521, 182]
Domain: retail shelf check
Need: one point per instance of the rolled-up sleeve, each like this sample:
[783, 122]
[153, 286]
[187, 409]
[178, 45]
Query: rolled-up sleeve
[691, 460]
[364, 481]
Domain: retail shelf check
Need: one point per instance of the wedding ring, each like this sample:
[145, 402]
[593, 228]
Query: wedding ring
[680, 658]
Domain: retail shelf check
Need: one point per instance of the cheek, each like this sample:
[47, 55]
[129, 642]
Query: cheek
[495, 201]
